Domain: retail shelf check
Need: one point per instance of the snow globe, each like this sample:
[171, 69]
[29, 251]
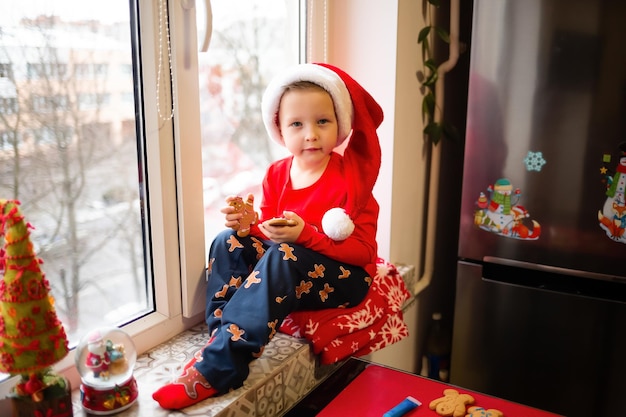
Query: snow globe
[105, 358]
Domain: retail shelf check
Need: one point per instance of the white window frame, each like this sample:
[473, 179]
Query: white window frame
[175, 178]
[175, 193]
[173, 158]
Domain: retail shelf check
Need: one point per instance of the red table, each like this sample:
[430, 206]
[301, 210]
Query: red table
[371, 390]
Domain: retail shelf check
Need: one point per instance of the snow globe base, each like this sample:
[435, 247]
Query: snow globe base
[103, 401]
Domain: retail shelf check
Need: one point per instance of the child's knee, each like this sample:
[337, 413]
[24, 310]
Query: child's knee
[278, 251]
[225, 234]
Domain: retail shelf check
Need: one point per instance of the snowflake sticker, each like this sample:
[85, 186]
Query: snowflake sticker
[534, 161]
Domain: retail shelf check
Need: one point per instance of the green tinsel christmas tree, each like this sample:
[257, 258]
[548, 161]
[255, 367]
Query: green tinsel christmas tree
[32, 338]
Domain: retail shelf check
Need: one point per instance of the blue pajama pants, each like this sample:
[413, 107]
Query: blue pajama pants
[252, 286]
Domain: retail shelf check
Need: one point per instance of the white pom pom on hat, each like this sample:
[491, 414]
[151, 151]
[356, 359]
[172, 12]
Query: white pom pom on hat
[337, 224]
[358, 117]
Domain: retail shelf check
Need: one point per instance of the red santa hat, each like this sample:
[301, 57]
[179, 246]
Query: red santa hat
[358, 117]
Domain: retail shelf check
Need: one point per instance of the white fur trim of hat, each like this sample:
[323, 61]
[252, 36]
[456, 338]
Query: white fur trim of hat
[322, 76]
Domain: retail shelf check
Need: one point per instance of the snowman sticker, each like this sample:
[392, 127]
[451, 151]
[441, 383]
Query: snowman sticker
[612, 216]
[500, 214]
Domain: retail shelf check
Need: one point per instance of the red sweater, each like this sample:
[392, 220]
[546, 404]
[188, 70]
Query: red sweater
[311, 203]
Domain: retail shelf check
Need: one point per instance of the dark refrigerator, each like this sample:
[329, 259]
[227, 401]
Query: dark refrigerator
[540, 302]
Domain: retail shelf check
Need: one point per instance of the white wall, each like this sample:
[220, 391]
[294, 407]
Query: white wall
[375, 41]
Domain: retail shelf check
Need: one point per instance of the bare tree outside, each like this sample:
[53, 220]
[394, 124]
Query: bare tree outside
[69, 156]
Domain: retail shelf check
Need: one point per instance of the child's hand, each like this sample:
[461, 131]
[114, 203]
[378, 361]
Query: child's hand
[280, 233]
[233, 214]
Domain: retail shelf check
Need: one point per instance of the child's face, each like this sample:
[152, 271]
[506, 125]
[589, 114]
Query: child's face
[308, 124]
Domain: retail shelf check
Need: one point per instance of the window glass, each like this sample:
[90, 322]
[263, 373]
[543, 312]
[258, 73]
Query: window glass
[72, 150]
[251, 41]
[69, 154]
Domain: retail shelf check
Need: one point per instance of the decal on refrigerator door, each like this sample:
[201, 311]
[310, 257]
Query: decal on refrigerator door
[612, 216]
[501, 214]
[534, 161]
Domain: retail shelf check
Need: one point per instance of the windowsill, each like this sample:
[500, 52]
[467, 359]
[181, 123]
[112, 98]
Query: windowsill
[285, 373]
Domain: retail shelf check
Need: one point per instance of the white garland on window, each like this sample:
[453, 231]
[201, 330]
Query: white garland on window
[164, 22]
[310, 29]
[325, 31]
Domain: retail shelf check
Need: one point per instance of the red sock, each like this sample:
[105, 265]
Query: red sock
[189, 388]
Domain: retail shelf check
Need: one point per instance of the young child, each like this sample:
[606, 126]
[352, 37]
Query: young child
[323, 258]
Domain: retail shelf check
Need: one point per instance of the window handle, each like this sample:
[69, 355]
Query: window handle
[208, 29]
[188, 6]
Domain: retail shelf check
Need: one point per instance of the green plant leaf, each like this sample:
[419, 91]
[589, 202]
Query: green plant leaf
[433, 131]
[431, 80]
[442, 34]
[431, 65]
[423, 35]
[433, 76]
[428, 78]
[428, 106]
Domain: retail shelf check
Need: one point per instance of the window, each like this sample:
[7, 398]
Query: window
[45, 70]
[75, 173]
[242, 58]
[98, 126]
[5, 141]
[8, 105]
[5, 71]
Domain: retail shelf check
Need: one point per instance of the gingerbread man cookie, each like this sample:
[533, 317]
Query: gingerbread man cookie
[452, 404]
[249, 215]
